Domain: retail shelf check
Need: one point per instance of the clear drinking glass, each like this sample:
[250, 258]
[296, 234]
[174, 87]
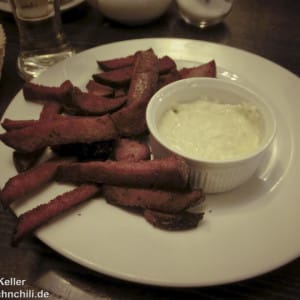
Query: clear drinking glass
[42, 40]
[204, 13]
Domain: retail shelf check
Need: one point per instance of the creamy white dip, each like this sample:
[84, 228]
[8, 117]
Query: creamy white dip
[206, 129]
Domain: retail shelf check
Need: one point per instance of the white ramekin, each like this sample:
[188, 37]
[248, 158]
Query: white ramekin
[211, 176]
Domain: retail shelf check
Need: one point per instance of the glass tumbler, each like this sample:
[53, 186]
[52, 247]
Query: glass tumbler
[204, 13]
[42, 40]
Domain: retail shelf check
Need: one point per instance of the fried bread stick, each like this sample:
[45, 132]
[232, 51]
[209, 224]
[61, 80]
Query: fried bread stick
[27, 182]
[90, 104]
[205, 70]
[181, 221]
[130, 120]
[31, 220]
[131, 150]
[99, 89]
[41, 93]
[153, 199]
[163, 209]
[24, 161]
[121, 75]
[168, 173]
[49, 111]
[60, 131]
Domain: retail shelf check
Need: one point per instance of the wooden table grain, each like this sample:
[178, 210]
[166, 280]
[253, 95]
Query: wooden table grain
[267, 28]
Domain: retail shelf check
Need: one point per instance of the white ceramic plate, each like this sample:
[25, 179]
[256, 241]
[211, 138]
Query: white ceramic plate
[5, 6]
[246, 232]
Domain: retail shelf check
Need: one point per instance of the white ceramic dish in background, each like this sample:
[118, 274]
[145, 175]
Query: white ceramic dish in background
[241, 228]
[131, 12]
[204, 13]
[65, 5]
[213, 176]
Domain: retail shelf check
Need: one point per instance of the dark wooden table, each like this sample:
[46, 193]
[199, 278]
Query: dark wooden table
[268, 28]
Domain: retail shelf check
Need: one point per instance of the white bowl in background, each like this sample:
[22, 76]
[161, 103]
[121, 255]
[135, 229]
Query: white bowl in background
[132, 12]
[213, 176]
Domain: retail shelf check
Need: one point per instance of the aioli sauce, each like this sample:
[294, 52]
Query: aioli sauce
[206, 129]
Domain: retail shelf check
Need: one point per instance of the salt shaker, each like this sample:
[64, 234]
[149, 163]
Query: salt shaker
[42, 40]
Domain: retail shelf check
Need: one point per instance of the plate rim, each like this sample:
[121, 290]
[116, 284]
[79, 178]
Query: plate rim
[127, 276]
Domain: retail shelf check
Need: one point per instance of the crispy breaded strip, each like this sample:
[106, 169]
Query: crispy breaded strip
[89, 104]
[38, 216]
[50, 110]
[159, 200]
[24, 161]
[26, 183]
[116, 63]
[114, 78]
[146, 61]
[60, 131]
[169, 77]
[144, 78]
[121, 77]
[205, 70]
[37, 92]
[130, 120]
[180, 221]
[168, 173]
[131, 150]
[166, 63]
[98, 89]
[9, 124]
[153, 200]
